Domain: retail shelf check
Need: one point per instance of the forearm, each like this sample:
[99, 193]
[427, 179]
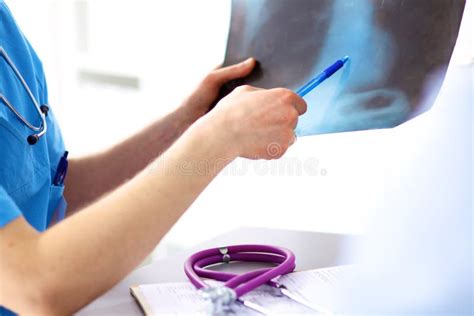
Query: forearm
[88, 253]
[91, 177]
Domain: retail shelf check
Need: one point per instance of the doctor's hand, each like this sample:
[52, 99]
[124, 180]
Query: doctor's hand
[200, 101]
[257, 123]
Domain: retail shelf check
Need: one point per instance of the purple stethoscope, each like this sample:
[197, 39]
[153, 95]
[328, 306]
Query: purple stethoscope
[236, 285]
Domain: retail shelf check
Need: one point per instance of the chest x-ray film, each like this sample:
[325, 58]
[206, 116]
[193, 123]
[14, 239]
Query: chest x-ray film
[399, 52]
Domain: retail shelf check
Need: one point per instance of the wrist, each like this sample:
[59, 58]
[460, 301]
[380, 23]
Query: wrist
[187, 115]
[213, 130]
[191, 110]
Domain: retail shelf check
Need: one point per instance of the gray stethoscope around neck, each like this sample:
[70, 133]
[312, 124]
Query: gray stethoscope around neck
[42, 110]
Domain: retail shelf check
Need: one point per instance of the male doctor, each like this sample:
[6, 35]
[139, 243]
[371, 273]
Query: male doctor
[46, 269]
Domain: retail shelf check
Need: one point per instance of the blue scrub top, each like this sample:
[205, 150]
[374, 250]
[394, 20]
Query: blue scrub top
[25, 170]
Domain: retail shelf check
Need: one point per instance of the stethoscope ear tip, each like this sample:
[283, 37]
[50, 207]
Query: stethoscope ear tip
[32, 139]
[44, 109]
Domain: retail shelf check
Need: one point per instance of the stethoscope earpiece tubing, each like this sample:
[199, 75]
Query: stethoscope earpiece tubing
[42, 110]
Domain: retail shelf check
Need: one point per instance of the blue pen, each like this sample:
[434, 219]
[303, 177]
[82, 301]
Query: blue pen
[62, 170]
[316, 81]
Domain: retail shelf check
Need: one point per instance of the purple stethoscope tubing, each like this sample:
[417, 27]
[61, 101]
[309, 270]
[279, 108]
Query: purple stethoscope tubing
[244, 283]
[200, 265]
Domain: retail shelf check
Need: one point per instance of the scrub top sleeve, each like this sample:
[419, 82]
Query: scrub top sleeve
[8, 209]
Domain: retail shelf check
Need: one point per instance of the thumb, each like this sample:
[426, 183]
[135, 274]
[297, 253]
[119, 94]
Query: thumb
[236, 71]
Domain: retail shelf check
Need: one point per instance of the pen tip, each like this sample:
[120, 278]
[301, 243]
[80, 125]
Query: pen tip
[345, 59]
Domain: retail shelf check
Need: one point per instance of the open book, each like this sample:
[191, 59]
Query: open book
[311, 292]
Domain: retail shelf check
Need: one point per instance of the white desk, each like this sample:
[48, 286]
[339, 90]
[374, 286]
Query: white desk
[312, 250]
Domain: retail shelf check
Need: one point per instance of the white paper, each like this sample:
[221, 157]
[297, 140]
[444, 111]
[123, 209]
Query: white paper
[317, 287]
[314, 288]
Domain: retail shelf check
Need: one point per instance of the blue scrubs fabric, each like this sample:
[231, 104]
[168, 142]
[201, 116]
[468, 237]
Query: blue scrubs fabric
[25, 170]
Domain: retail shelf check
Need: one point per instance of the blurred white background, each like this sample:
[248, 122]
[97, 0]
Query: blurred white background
[113, 66]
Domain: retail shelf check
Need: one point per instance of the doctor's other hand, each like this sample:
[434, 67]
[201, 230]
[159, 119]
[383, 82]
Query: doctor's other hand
[257, 123]
[204, 96]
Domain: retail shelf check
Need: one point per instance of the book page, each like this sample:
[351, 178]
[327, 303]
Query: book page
[308, 292]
